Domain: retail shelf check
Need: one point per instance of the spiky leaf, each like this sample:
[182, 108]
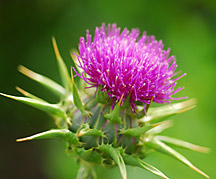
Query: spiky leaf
[116, 156]
[89, 155]
[63, 134]
[29, 95]
[135, 161]
[159, 114]
[152, 142]
[75, 66]
[86, 131]
[101, 97]
[48, 83]
[76, 98]
[65, 77]
[114, 115]
[52, 109]
[183, 144]
[160, 127]
[135, 132]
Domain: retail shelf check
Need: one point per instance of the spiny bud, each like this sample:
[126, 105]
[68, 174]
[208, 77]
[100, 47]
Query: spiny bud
[104, 112]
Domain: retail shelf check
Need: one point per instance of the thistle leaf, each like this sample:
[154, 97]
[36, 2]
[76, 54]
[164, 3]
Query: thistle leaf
[76, 98]
[159, 114]
[91, 132]
[52, 109]
[160, 127]
[135, 161]
[75, 66]
[116, 156]
[48, 83]
[65, 77]
[135, 132]
[29, 95]
[63, 134]
[75, 60]
[183, 144]
[101, 97]
[89, 155]
[114, 115]
[126, 102]
[86, 131]
[152, 142]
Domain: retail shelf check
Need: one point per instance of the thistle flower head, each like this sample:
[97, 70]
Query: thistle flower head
[125, 64]
[123, 67]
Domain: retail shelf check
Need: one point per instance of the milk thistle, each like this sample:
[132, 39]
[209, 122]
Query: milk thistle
[104, 112]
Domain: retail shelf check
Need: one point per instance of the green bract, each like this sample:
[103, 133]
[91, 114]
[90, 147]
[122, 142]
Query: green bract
[101, 133]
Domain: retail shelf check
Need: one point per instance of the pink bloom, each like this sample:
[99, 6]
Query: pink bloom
[125, 64]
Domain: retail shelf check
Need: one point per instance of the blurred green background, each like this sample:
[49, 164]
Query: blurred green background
[26, 28]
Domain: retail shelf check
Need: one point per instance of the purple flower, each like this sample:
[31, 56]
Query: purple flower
[125, 64]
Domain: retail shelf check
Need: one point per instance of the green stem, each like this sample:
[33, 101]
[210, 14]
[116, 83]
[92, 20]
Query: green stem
[86, 172]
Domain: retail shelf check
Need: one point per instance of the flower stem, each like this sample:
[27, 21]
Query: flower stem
[86, 172]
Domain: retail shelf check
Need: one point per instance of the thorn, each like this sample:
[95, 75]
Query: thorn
[79, 134]
[157, 124]
[68, 121]
[29, 95]
[199, 171]
[72, 78]
[25, 93]
[202, 149]
[120, 101]
[23, 139]
[55, 48]
[186, 109]
[148, 105]
[74, 58]
[26, 72]
[8, 96]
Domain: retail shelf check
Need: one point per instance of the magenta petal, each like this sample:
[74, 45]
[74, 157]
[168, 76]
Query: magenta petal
[124, 63]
